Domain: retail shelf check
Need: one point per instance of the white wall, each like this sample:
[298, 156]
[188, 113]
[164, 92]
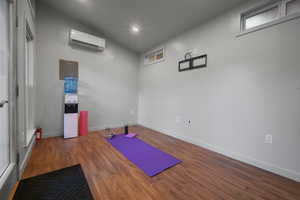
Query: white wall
[250, 88]
[107, 80]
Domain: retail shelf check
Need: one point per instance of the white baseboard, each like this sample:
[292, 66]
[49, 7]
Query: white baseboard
[99, 128]
[6, 174]
[237, 156]
[26, 158]
[48, 134]
[8, 180]
[30, 138]
[53, 134]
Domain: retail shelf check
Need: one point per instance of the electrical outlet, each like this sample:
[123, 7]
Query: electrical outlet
[268, 139]
[187, 123]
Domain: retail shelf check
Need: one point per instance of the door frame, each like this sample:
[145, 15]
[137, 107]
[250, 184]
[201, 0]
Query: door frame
[24, 148]
[11, 171]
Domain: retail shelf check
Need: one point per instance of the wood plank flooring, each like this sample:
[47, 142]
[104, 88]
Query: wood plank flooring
[203, 174]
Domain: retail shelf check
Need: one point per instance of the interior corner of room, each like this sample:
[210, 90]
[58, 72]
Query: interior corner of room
[151, 96]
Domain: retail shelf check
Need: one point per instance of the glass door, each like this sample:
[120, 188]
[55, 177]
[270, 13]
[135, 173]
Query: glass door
[4, 63]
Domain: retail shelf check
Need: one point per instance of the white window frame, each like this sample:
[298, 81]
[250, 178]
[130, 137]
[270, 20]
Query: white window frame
[29, 79]
[266, 5]
[31, 8]
[285, 7]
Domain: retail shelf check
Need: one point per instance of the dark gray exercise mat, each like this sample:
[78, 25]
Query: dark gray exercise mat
[64, 184]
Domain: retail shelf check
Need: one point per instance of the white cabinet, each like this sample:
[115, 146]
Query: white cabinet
[70, 125]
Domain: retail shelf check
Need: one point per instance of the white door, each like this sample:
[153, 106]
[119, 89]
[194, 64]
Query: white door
[4, 62]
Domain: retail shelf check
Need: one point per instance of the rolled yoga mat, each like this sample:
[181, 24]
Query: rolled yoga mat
[83, 123]
[146, 157]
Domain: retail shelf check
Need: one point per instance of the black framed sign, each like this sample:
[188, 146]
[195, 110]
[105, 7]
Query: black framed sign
[193, 63]
[184, 65]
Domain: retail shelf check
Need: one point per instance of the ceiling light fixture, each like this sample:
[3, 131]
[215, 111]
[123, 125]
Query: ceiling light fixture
[135, 29]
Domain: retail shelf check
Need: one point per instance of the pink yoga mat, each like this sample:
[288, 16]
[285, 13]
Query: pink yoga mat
[83, 123]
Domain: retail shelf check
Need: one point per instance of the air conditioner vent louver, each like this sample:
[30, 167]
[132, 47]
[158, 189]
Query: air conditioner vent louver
[87, 40]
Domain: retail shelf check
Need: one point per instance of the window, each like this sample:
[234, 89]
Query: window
[269, 14]
[261, 17]
[292, 7]
[29, 84]
[31, 5]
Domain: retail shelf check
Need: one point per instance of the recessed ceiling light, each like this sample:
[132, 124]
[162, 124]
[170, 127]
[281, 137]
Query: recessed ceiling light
[135, 29]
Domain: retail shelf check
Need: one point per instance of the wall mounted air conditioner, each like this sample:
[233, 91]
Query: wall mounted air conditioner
[87, 40]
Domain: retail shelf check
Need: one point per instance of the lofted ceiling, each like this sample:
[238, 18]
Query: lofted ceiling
[158, 20]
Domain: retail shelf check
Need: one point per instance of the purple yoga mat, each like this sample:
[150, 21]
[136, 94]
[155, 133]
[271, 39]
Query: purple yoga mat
[148, 158]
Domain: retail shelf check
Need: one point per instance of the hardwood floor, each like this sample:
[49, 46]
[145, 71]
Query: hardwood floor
[203, 174]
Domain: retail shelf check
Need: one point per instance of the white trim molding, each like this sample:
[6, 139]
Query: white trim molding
[26, 158]
[237, 156]
[6, 174]
[30, 138]
[48, 134]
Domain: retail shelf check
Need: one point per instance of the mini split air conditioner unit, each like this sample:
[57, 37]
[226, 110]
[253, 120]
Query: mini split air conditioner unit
[87, 40]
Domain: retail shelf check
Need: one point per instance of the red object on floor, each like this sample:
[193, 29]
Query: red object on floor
[38, 134]
[83, 123]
